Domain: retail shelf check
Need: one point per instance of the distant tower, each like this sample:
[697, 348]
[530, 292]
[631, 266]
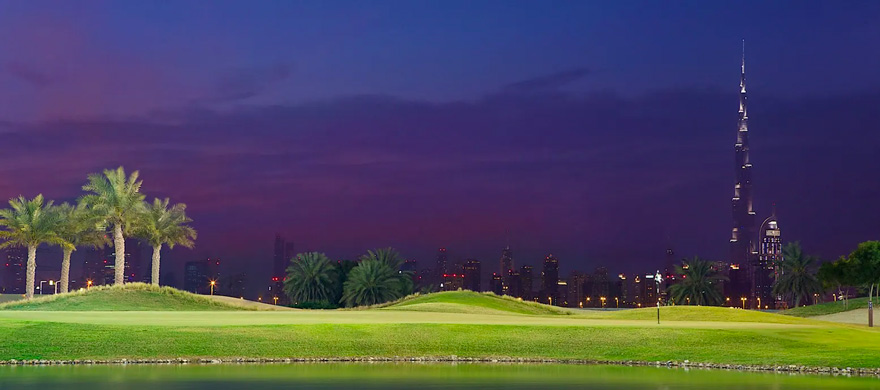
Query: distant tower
[442, 260]
[742, 245]
[16, 258]
[283, 254]
[550, 279]
[769, 257]
[472, 274]
[507, 273]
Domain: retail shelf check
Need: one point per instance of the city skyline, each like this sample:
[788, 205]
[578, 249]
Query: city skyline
[610, 149]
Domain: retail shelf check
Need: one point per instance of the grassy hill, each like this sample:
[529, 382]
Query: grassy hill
[472, 303]
[131, 297]
[697, 313]
[827, 308]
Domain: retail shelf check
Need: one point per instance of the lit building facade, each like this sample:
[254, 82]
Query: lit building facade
[743, 235]
[550, 279]
[769, 257]
[472, 272]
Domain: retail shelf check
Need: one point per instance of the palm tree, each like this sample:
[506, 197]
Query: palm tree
[165, 226]
[78, 226]
[29, 223]
[310, 278]
[393, 260]
[699, 284]
[377, 279]
[117, 199]
[795, 281]
[370, 283]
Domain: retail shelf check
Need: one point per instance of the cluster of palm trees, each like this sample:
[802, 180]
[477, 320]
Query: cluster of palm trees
[112, 204]
[795, 279]
[313, 279]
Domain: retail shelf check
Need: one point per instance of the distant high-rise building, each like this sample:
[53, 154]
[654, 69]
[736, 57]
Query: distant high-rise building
[601, 285]
[195, 277]
[16, 260]
[577, 297]
[133, 251]
[506, 271]
[742, 246]
[93, 267]
[234, 285]
[550, 279]
[526, 277]
[623, 290]
[442, 266]
[284, 252]
[472, 275]
[495, 284]
[769, 257]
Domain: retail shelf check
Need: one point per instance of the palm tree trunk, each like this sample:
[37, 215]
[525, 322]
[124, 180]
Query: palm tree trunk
[65, 270]
[155, 277]
[119, 265]
[31, 271]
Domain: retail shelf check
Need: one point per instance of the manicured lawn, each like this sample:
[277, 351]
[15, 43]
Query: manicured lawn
[470, 325]
[781, 344]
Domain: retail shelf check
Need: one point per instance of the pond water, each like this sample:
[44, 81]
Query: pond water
[406, 376]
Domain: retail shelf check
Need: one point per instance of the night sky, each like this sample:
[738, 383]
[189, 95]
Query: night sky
[602, 132]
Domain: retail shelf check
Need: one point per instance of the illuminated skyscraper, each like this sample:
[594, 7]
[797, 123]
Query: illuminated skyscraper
[742, 247]
[550, 279]
[284, 251]
[472, 274]
[16, 259]
[442, 260]
[507, 272]
[769, 257]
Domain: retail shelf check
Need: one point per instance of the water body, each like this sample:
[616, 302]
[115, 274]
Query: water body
[407, 376]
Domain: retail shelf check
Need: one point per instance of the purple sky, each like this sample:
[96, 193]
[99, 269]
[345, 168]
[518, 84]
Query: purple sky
[601, 132]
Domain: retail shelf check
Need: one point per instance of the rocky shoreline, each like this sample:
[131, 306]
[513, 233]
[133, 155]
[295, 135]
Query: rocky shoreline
[788, 369]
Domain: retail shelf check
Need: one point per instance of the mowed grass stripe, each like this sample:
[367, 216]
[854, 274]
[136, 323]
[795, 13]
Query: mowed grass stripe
[780, 345]
[308, 317]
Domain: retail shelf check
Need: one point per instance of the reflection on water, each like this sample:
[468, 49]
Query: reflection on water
[406, 376]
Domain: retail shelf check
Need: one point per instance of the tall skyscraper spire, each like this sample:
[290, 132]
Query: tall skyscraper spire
[742, 247]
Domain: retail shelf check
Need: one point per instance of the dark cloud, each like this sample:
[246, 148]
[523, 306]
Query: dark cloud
[241, 84]
[597, 179]
[547, 82]
[29, 74]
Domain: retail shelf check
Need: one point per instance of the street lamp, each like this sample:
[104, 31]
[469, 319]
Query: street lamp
[213, 282]
[759, 303]
[617, 302]
[688, 301]
[275, 298]
[88, 284]
[744, 302]
[51, 283]
[603, 302]
[728, 301]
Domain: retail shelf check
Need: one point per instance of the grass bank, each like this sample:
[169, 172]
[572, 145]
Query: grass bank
[131, 297]
[827, 308]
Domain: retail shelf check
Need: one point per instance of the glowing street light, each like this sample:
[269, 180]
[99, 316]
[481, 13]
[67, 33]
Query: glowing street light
[275, 298]
[88, 284]
[603, 301]
[213, 283]
[617, 302]
[744, 302]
